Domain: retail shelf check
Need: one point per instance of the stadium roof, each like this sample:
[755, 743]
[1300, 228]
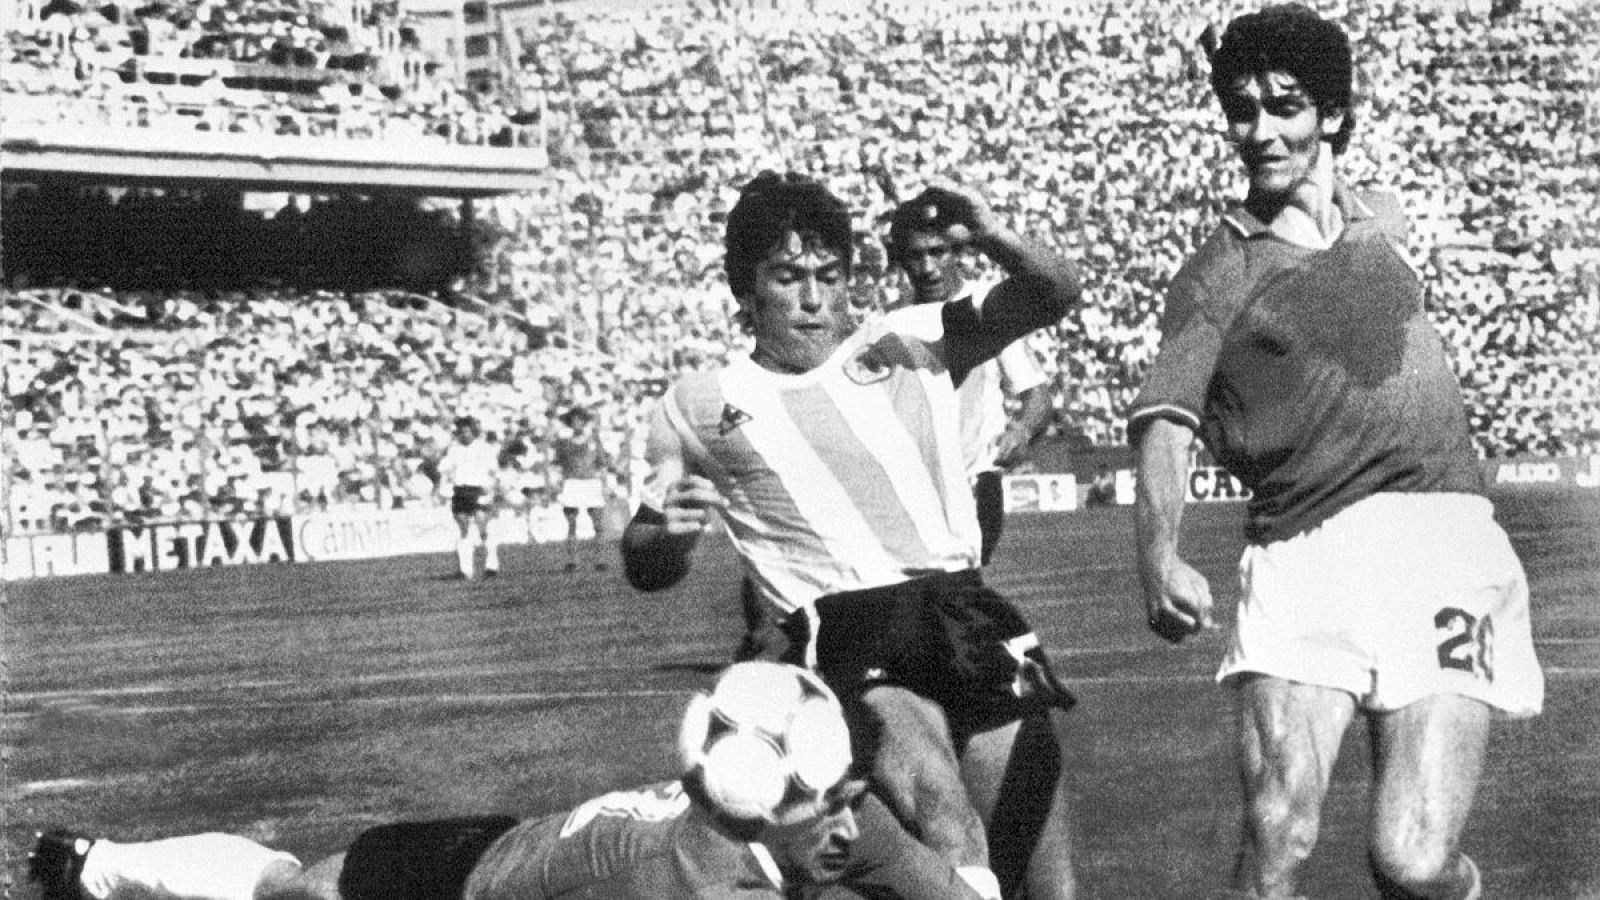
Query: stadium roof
[132, 156]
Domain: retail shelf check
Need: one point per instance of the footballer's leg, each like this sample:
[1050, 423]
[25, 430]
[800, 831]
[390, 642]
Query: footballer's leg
[1289, 736]
[491, 547]
[917, 769]
[597, 518]
[571, 515]
[1427, 759]
[319, 881]
[988, 491]
[191, 867]
[1018, 782]
[466, 547]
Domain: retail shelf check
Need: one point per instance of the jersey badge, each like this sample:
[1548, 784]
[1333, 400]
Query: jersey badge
[732, 418]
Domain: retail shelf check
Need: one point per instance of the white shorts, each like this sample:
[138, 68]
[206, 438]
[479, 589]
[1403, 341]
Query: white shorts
[582, 493]
[1396, 598]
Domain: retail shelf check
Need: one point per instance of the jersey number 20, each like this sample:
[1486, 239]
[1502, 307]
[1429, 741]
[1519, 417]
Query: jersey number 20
[1469, 645]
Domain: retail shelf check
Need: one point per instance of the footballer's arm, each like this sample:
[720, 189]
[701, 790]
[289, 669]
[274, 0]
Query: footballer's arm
[1041, 287]
[1177, 597]
[658, 541]
[1037, 407]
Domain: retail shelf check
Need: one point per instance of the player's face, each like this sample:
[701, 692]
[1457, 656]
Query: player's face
[799, 307]
[930, 263]
[466, 433]
[817, 850]
[1277, 131]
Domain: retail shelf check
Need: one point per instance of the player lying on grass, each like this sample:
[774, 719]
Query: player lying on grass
[833, 454]
[768, 807]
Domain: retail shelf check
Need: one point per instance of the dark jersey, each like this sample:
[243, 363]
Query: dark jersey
[1313, 376]
[578, 454]
[652, 843]
[629, 845]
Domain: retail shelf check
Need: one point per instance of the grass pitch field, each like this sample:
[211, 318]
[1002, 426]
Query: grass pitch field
[298, 704]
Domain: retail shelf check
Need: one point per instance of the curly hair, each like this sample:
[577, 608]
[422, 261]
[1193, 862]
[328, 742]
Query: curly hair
[1294, 39]
[930, 212]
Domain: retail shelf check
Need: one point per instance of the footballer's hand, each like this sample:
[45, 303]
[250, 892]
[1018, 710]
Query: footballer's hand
[1010, 448]
[688, 504]
[1177, 601]
[969, 212]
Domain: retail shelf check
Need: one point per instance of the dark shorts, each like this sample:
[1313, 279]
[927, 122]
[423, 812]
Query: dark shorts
[418, 860]
[947, 637]
[467, 500]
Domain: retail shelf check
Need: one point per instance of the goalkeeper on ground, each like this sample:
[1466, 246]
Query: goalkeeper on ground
[717, 832]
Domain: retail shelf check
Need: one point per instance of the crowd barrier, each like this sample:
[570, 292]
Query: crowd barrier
[309, 537]
[373, 533]
[1211, 484]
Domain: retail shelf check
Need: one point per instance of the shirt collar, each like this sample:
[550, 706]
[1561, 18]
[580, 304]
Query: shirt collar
[769, 865]
[1350, 204]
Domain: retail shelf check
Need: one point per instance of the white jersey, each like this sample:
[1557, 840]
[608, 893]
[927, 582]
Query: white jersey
[846, 477]
[984, 392]
[470, 465]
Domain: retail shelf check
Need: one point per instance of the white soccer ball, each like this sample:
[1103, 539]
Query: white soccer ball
[767, 742]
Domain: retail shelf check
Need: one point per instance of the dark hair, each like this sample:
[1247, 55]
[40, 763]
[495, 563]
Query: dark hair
[773, 205]
[929, 212]
[1290, 38]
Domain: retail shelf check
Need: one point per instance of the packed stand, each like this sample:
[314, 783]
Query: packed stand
[349, 70]
[1092, 124]
[1089, 124]
[199, 406]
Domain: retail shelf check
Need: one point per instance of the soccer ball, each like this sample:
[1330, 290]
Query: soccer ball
[767, 742]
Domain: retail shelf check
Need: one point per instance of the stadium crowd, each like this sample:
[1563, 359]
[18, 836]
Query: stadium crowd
[349, 70]
[1079, 119]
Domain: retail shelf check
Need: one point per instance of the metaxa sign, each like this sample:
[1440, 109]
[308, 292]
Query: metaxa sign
[192, 545]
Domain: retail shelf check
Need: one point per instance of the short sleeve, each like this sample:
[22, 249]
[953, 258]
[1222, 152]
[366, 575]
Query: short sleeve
[1175, 387]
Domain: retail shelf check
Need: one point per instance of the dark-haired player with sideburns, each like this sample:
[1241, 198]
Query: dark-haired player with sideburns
[1376, 580]
[834, 455]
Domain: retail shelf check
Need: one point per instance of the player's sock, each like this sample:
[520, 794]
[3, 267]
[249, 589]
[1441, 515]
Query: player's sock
[1468, 879]
[1474, 879]
[981, 879]
[193, 867]
[491, 556]
[466, 553]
